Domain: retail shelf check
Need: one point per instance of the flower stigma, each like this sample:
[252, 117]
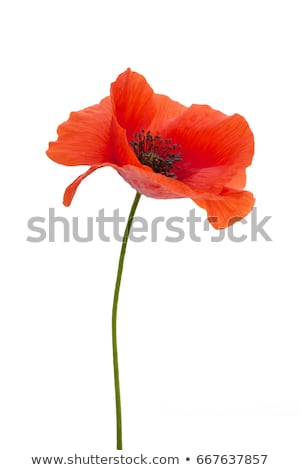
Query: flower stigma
[157, 153]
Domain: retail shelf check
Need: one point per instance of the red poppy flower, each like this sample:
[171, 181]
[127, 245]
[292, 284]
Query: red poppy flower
[162, 148]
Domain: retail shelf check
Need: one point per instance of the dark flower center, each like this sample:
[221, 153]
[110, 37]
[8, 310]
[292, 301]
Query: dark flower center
[158, 153]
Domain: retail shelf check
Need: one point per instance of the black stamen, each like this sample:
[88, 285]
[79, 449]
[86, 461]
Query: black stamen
[156, 152]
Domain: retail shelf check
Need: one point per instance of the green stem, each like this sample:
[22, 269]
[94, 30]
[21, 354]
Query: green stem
[114, 321]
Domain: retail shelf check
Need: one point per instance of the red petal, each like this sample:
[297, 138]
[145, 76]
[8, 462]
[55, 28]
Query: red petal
[165, 110]
[72, 188]
[133, 104]
[84, 139]
[211, 179]
[155, 185]
[209, 138]
[143, 180]
[123, 152]
[228, 208]
[238, 181]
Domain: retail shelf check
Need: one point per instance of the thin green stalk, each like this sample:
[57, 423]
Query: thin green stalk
[114, 320]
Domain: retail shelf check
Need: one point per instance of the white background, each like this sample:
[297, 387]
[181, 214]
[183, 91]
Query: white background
[208, 332]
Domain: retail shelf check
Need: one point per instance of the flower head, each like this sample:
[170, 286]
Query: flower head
[162, 148]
